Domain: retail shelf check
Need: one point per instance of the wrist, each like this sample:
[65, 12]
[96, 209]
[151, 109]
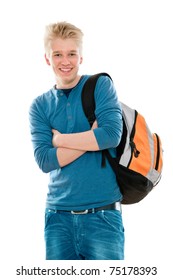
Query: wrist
[59, 140]
[56, 140]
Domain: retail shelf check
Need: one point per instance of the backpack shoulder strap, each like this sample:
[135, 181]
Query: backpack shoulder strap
[88, 101]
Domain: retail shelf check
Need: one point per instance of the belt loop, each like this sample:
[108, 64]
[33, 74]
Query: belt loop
[118, 206]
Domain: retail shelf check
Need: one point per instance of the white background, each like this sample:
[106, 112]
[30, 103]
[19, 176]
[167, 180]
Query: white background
[132, 41]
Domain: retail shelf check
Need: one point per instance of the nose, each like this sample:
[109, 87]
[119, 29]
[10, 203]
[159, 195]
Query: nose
[65, 60]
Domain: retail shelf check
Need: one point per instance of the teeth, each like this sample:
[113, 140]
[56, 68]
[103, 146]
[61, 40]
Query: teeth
[65, 70]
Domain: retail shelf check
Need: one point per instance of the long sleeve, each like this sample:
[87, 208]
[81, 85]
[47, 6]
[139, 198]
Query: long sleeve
[41, 134]
[108, 113]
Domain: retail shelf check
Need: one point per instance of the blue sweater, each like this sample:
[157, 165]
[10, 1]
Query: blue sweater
[82, 184]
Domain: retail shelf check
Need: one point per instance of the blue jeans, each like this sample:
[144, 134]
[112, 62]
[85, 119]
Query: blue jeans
[94, 236]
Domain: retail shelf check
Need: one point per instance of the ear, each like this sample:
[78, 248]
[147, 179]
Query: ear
[47, 59]
[81, 60]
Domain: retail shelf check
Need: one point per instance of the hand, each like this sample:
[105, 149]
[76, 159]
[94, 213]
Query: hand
[95, 125]
[56, 133]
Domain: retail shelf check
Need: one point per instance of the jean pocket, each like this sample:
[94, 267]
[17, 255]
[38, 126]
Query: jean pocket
[113, 218]
[48, 216]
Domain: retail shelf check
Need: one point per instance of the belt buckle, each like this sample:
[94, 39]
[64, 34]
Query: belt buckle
[79, 212]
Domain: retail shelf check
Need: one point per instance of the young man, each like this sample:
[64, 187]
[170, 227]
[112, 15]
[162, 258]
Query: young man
[83, 219]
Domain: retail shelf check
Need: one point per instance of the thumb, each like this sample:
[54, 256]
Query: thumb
[54, 131]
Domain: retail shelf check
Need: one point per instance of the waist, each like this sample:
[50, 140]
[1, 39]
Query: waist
[112, 206]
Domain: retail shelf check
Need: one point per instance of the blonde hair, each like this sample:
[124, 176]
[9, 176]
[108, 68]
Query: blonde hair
[63, 30]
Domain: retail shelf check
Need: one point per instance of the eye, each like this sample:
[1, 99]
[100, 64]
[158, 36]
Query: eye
[57, 54]
[72, 54]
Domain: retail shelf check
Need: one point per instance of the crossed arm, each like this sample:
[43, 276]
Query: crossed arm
[72, 146]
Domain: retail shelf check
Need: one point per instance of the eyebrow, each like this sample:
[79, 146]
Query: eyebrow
[71, 51]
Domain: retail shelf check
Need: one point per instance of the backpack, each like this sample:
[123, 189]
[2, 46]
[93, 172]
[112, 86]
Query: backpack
[139, 161]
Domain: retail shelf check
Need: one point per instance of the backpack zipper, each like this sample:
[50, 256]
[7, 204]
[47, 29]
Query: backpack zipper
[134, 150]
[158, 152]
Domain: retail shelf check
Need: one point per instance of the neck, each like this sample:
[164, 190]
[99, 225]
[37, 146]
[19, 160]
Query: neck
[65, 84]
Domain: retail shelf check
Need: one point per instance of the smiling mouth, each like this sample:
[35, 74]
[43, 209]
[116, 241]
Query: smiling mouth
[65, 70]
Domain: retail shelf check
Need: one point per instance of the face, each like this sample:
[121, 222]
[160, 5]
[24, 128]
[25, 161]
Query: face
[65, 59]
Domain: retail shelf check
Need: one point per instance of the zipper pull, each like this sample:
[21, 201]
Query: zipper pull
[134, 149]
